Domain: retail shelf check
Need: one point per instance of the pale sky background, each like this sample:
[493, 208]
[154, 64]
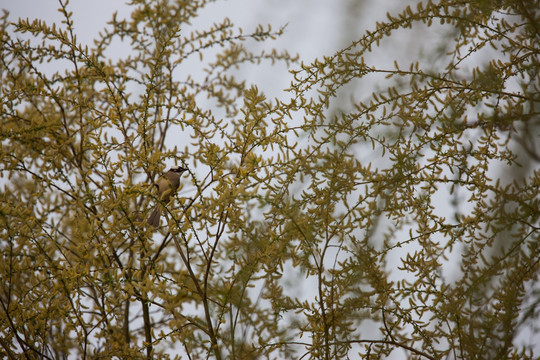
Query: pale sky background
[314, 27]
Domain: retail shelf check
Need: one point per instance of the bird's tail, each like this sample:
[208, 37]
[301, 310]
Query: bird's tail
[154, 217]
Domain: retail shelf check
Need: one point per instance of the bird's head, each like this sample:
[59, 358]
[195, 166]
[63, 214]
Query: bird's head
[178, 169]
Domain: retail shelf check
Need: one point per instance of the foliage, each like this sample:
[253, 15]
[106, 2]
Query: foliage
[407, 224]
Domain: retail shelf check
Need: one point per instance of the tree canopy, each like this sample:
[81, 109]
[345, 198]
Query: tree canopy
[326, 223]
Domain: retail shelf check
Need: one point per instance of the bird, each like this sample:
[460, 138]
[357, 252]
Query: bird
[167, 186]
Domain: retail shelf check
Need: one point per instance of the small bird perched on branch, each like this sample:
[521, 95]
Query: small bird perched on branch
[167, 186]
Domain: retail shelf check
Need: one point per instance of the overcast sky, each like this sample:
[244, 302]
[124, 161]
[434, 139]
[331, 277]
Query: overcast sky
[314, 27]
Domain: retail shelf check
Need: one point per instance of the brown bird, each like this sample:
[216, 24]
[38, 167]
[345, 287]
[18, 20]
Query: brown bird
[167, 186]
